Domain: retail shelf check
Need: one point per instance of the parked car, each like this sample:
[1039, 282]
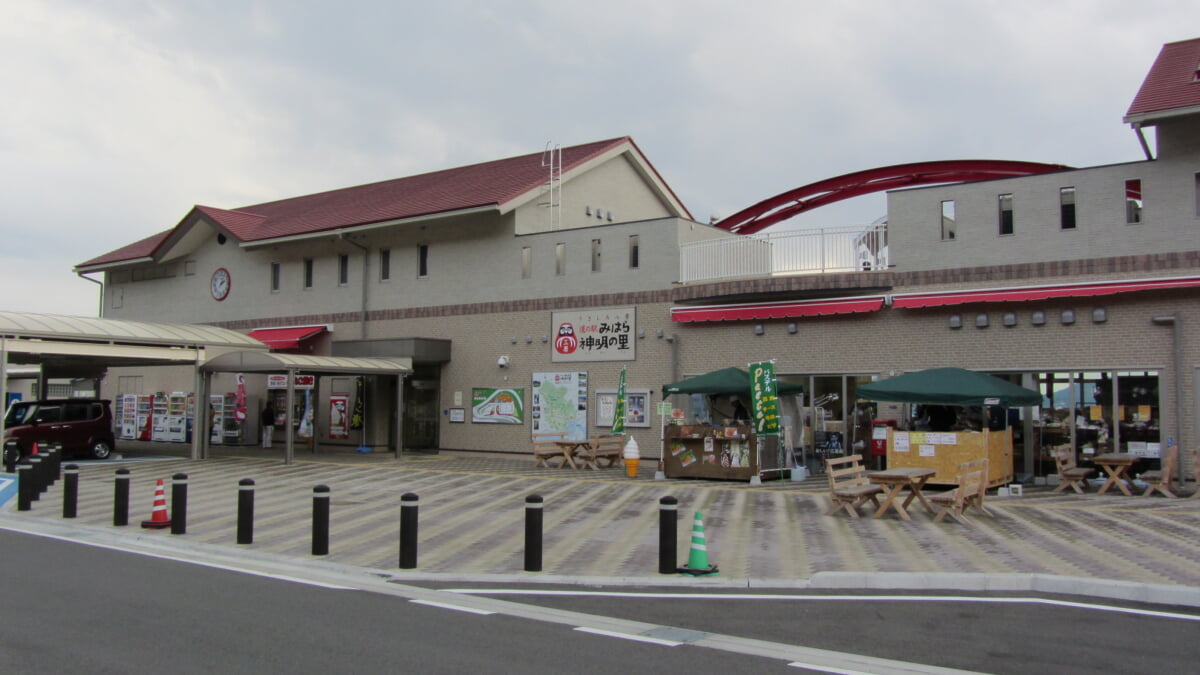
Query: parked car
[84, 426]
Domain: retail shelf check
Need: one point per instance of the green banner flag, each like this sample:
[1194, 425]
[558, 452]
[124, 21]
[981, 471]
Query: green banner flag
[360, 404]
[618, 426]
[765, 397]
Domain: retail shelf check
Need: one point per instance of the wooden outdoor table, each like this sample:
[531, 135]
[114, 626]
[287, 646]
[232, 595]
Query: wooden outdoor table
[1116, 464]
[896, 480]
[573, 448]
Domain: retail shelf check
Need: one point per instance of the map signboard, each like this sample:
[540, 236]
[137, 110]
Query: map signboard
[498, 406]
[560, 403]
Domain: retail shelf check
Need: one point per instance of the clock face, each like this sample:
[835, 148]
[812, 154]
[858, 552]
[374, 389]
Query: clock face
[220, 284]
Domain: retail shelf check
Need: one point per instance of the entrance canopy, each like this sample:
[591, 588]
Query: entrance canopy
[950, 386]
[724, 381]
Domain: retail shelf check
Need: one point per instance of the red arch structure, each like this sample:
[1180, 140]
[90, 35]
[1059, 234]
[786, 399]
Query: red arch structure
[806, 198]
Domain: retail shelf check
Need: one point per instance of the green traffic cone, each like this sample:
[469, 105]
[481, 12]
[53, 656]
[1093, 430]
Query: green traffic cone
[698, 557]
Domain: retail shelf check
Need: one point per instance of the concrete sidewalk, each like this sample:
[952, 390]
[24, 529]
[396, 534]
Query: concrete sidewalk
[603, 525]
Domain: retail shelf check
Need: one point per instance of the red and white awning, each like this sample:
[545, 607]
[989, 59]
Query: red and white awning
[286, 338]
[1027, 293]
[777, 310]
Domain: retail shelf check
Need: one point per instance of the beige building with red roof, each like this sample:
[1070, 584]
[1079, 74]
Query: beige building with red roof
[1073, 282]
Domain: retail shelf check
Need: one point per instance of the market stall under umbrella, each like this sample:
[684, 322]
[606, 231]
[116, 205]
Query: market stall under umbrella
[945, 450]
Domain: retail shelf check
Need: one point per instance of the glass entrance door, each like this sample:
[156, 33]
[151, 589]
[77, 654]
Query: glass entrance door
[421, 408]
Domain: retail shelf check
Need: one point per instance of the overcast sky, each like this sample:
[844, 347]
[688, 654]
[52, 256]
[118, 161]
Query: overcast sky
[118, 116]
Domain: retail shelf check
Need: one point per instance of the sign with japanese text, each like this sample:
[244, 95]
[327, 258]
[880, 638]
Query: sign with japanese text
[560, 403]
[280, 381]
[764, 395]
[605, 334]
[498, 406]
[339, 409]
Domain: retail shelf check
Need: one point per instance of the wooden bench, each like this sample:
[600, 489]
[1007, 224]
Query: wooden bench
[1070, 475]
[969, 492]
[1160, 480]
[545, 448]
[610, 448]
[848, 485]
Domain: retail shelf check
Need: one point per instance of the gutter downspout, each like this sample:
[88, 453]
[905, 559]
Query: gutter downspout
[362, 324]
[1137, 127]
[1177, 337]
[100, 309]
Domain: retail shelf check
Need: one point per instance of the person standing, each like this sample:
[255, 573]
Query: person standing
[268, 425]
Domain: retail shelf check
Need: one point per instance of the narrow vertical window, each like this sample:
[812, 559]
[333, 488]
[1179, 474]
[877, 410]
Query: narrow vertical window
[1197, 179]
[343, 269]
[1133, 201]
[385, 264]
[308, 273]
[560, 259]
[1006, 214]
[633, 252]
[948, 220]
[595, 255]
[423, 261]
[526, 262]
[1066, 207]
[274, 277]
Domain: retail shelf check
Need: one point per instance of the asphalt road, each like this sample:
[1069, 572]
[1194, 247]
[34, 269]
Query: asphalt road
[67, 607]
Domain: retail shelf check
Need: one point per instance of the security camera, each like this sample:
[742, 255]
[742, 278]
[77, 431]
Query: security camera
[502, 361]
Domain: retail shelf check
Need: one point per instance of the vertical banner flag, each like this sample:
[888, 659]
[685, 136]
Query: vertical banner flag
[618, 426]
[239, 405]
[764, 394]
[356, 419]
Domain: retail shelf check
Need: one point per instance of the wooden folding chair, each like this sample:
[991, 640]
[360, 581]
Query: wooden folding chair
[1160, 479]
[1070, 475]
[969, 492]
[848, 485]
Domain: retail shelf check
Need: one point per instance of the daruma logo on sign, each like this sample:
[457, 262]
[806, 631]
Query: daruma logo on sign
[566, 342]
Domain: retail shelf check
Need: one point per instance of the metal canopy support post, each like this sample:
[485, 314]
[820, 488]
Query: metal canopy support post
[400, 417]
[3, 383]
[289, 452]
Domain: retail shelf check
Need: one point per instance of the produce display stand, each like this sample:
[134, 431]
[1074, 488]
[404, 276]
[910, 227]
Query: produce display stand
[721, 452]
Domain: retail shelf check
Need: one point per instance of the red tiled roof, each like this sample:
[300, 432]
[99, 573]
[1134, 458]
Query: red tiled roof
[1172, 81]
[478, 185]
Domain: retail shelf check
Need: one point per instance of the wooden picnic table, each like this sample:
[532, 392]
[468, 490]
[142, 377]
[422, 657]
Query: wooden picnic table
[575, 448]
[1116, 465]
[894, 481]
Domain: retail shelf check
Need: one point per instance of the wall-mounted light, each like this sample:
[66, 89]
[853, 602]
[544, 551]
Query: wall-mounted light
[1099, 315]
[981, 320]
[955, 321]
[1068, 317]
[587, 210]
[1010, 319]
[758, 329]
[545, 339]
[528, 339]
[641, 334]
[792, 328]
[514, 339]
[1038, 318]
[659, 332]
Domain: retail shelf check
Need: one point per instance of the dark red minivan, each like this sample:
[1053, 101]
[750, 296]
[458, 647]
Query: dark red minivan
[84, 426]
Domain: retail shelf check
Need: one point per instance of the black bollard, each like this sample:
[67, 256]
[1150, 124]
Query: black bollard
[12, 449]
[668, 535]
[121, 498]
[320, 536]
[70, 490]
[533, 533]
[245, 524]
[25, 487]
[37, 477]
[54, 464]
[179, 503]
[408, 531]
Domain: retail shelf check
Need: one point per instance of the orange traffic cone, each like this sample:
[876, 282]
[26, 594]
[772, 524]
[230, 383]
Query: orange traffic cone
[34, 450]
[158, 515]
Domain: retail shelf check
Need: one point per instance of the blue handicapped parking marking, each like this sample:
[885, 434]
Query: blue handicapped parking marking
[8, 489]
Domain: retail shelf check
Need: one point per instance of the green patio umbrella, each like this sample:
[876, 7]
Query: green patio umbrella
[725, 381]
[950, 386]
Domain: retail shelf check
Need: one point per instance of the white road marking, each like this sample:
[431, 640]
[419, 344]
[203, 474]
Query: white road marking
[831, 598]
[457, 608]
[628, 636]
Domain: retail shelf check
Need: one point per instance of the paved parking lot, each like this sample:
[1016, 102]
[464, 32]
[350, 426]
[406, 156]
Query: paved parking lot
[601, 524]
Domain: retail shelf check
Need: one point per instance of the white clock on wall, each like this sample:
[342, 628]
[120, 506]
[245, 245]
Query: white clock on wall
[220, 284]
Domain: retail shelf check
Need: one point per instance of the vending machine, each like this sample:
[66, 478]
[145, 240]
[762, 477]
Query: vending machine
[158, 431]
